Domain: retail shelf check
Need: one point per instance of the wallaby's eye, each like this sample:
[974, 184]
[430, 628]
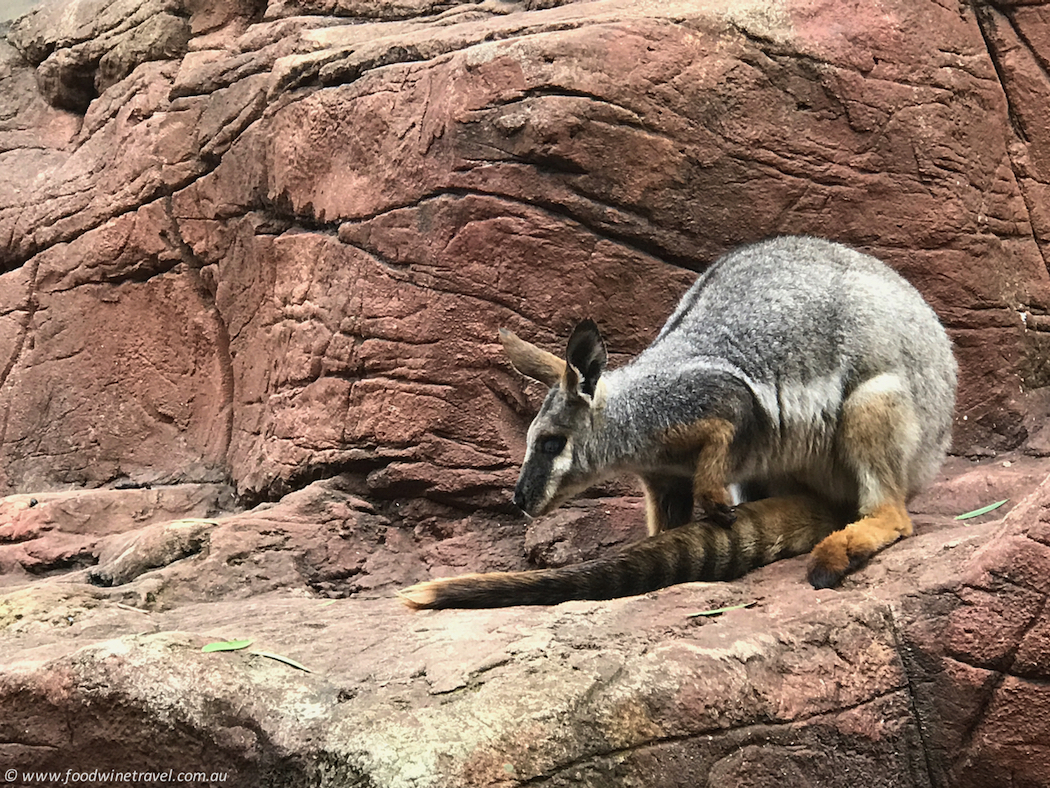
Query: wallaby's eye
[553, 445]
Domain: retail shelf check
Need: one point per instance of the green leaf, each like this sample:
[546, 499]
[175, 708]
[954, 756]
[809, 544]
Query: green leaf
[720, 610]
[982, 510]
[226, 645]
[279, 658]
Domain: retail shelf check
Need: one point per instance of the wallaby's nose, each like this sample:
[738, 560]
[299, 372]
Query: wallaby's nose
[523, 499]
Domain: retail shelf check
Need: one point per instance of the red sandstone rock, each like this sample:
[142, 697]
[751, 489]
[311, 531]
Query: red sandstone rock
[979, 656]
[469, 165]
[809, 684]
[254, 245]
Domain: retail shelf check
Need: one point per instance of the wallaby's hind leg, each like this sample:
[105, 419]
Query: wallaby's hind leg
[845, 550]
[878, 435]
[668, 502]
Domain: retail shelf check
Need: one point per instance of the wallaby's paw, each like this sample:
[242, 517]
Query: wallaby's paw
[829, 561]
[849, 549]
[721, 514]
[820, 576]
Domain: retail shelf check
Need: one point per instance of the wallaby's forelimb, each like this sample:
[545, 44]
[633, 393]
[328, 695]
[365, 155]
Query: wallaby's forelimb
[711, 439]
[668, 502]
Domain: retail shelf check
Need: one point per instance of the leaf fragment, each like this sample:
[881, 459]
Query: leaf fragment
[226, 645]
[983, 510]
[280, 658]
[720, 610]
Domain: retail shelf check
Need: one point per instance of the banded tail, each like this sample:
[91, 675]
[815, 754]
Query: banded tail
[764, 531]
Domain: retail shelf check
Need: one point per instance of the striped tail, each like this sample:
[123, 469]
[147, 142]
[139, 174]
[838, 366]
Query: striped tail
[764, 531]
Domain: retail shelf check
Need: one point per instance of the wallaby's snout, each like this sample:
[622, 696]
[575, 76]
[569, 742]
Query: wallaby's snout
[526, 498]
[519, 501]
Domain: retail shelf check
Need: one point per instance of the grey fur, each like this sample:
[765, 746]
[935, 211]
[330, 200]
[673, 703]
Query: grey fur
[781, 338]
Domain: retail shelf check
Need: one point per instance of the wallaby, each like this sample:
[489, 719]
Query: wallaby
[793, 365]
[764, 531]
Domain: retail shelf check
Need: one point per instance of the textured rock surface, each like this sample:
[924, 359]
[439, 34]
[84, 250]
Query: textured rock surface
[252, 261]
[981, 657]
[327, 221]
[927, 668]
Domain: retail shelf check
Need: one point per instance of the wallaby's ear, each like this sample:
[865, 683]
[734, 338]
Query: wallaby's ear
[586, 359]
[531, 361]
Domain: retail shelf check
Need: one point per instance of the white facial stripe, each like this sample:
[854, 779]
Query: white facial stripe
[559, 467]
[530, 441]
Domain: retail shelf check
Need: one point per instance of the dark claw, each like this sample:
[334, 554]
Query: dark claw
[820, 576]
[722, 514]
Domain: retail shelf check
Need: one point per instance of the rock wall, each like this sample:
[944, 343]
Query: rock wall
[253, 257]
[316, 218]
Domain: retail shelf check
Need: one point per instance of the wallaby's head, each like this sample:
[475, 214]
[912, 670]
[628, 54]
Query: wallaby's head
[557, 461]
